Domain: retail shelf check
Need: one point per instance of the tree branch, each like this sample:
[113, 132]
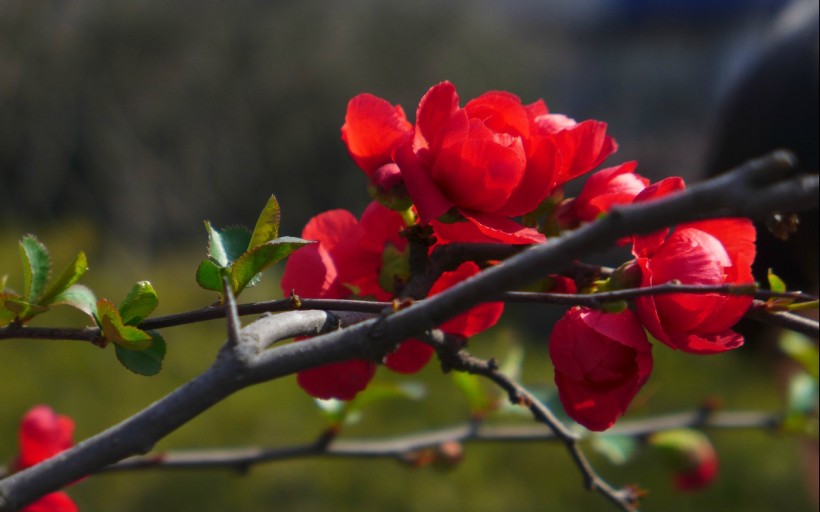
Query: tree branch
[755, 189]
[402, 447]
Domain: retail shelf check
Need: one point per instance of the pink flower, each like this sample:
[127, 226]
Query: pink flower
[601, 361]
[44, 434]
[713, 252]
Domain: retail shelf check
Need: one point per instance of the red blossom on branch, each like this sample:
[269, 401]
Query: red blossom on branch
[367, 258]
[713, 252]
[490, 161]
[603, 190]
[601, 361]
[44, 434]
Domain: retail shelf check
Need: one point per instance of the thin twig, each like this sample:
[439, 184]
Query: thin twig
[453, 356]
[402, 447]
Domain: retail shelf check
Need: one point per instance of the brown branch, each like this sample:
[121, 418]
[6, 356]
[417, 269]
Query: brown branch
[403, 447]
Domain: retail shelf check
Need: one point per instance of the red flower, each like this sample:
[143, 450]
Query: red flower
[713, 252]
[44, 434]
[347, 257]
[373, 129]
[491, 160]
[365, 258]
[603, 190]
[601, 361]
[413, 355]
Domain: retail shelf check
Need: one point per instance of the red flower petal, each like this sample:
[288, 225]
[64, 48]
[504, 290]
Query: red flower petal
[331, 228]
[503, 229]
[54, 502]
[645, 245]
[479, 174]
[501, 111]
[373, 129]
[430, 201]
[311, 272]
[43, 434]
[435, 109]
[341, 381]
[476, 320]
[409, 357]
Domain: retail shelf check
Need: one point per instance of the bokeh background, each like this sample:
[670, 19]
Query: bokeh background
[124, 125]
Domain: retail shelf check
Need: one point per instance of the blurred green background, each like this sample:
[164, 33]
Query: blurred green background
[124, 125]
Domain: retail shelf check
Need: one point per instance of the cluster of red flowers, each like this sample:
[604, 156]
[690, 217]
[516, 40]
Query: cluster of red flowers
[471, 173]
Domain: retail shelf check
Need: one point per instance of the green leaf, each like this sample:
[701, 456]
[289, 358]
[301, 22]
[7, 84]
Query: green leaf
[478, 400]
[267, 225]
[803, 350]
[395, 266]
[513, 362]
[139, 303]
[226, 245]
[115, 331]
[79, 297]
[36, 267]
[801, 415]
[775, 283]
[23, 310]
[70, 275]
[258, 258]
[209, 275]
[144, 362]
[6, 314]
[618, 449]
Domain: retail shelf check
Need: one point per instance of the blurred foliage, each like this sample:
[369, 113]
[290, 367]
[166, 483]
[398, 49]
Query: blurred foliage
[148, 117]
[758, 469]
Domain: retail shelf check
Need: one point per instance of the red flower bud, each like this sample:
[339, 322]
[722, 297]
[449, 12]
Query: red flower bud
[601, 361]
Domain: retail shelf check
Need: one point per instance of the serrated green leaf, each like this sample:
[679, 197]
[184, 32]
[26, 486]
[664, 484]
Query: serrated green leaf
[267, 225]
[139, 303]
[146, 362]
[775, 283]
[36, 268]
[70, 275]
[618, 449]
[226, 245]
[209, 275]
[257, 259]
[115, 331]
[478, 399]
[79, 297]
